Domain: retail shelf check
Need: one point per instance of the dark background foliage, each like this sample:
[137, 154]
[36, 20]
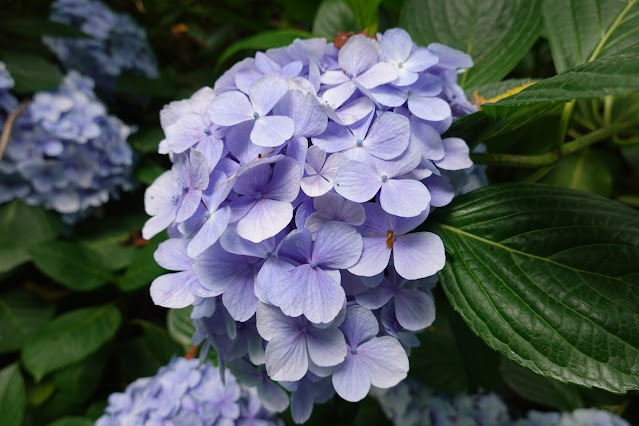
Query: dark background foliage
[76, 319]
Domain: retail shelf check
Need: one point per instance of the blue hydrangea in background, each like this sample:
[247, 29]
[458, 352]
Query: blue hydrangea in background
[66, 152]
[187, 393]
[298, 186]
[118, 45]
[412, 404]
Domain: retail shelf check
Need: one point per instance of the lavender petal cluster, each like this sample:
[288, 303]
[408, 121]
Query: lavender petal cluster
[297, 185]
[412, 404]
[66, 152]
[117, 44]
[187, 393]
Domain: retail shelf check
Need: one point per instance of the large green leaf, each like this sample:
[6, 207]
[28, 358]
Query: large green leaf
[616, 74]
[585, 170]
[262, 41]
[79, 381]
[69, 339]
[540, 389]
[496, 33]
[583, 30]
[180, 325]
[21, 315]
[37, 27]
[72, 421]
[549, 277]
[22, 227]
[75, 265]
[144, 268]
[31, 73]
[12, 396]
[365, 12]
[333, 16]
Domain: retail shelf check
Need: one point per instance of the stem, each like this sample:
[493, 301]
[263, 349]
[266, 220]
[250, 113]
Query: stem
[8, 126]
[563, 123]
[624, 142]
[594, 106]
[548, 158]
[631, 200]
[607, 117]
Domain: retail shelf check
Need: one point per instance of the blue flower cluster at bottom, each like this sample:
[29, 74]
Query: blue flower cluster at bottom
[187, 393]
[412, 404]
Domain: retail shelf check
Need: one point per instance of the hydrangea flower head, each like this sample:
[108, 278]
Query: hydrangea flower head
[66, 153]
[117, 44]
[187, 393]
[298, 182]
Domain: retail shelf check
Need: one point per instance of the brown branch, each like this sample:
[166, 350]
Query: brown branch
[8, 126]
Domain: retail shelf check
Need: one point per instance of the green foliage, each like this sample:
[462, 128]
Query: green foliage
[534, 269]
[333, 16]
[31, 73]
[69, 338]
[497, 34]
[21, 315]
[540, 389]
[180, 325]
[587, 171]
[23, 227]
[144, 268]
[365, 11]
[72, 264]
[583, 30]
[72, 421]
[12, 395]
[263, 41]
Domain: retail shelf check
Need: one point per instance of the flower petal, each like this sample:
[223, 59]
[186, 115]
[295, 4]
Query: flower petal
[210, 232]
[359, 325]
[357, 181]
[388, 136]
[337, 245]
[265, 92]
[265, 220]
[173, 290]
[230, 108]
[351, 380]
[374, 259]
[287, 358]
[272, 130]
[414, 309]
[418, 255]
[404, 197]
[326, 347]
[457, 155]
[385, 361]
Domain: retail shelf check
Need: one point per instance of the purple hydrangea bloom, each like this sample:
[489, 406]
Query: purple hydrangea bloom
[117, 44]
[66, 153]
[187, 393]
[297, 185]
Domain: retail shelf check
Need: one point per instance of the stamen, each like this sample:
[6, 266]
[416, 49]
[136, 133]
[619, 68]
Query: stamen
[359, 142]
[256, 115]
[390, 238]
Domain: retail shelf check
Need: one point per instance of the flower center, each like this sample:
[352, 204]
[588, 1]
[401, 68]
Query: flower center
[258, 195]
[359, 142]
[400, 65]
[390, 238]
[256, 115]
[313, 264]
[384, 178]
[353, 351]
[207, 131]
[304, 328]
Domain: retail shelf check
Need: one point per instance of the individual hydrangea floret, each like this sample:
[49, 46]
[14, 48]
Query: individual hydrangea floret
[65, 152]
[298, 186]
[117, 44]
[187, 393]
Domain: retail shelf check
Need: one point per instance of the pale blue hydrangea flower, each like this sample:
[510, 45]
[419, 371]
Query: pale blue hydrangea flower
[298, 183]
[187, 393]
[66, 153]
[412, 404]
[118, 45]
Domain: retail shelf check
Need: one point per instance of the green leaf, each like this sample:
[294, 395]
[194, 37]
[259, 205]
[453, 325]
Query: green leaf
[586, 170]
[70, 338]
[262, 41]
[148, 171]
[143, 356]
[13, 399]
[72, 421]
[491, 90]
[31, 73]
[39, 393]
[147, 140]
[583, 30]
[22, 227]
[72, 264]
[497, 34]
[180, 325]
[333, 16]
[539, 389]
[616, 74]
[21, 315]
[79, 381]
[144, 268]
[549, 277]
[365, 12]
[38, 27]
